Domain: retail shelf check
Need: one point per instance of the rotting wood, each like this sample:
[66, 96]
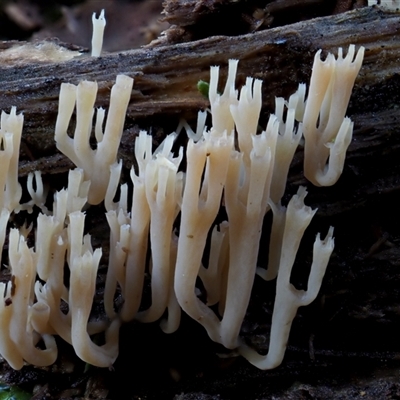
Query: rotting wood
[198, 19]
[166, 77]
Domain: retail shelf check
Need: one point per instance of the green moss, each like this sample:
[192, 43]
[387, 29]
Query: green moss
[13, 393]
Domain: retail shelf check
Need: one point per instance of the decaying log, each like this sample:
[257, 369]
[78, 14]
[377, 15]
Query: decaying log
[198, 19]
[166, 77]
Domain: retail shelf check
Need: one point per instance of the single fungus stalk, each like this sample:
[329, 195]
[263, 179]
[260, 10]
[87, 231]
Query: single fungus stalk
[38, 195]
[11, 132]
[8, 348]
[211, 156]
[5, 157]
[326, 131]
[133, 274]
[119, 244]
[246, 205]
[76, 195]
[287, 142]
[286, 145]
[288, 299]
[200, 127]
[119, 222]
[47, 232]
[53, 292]
[275, 242]
[82, 289]
[171, 323]
[163, 193]
[246, 113]
[98, 33]
[21, 330]
[218, 262]
[83, 263]
[95, 163]
[220, 104]
[113, 184]
[119, 99]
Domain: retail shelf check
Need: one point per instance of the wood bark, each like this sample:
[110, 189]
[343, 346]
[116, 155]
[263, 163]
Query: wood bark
[166, 77]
